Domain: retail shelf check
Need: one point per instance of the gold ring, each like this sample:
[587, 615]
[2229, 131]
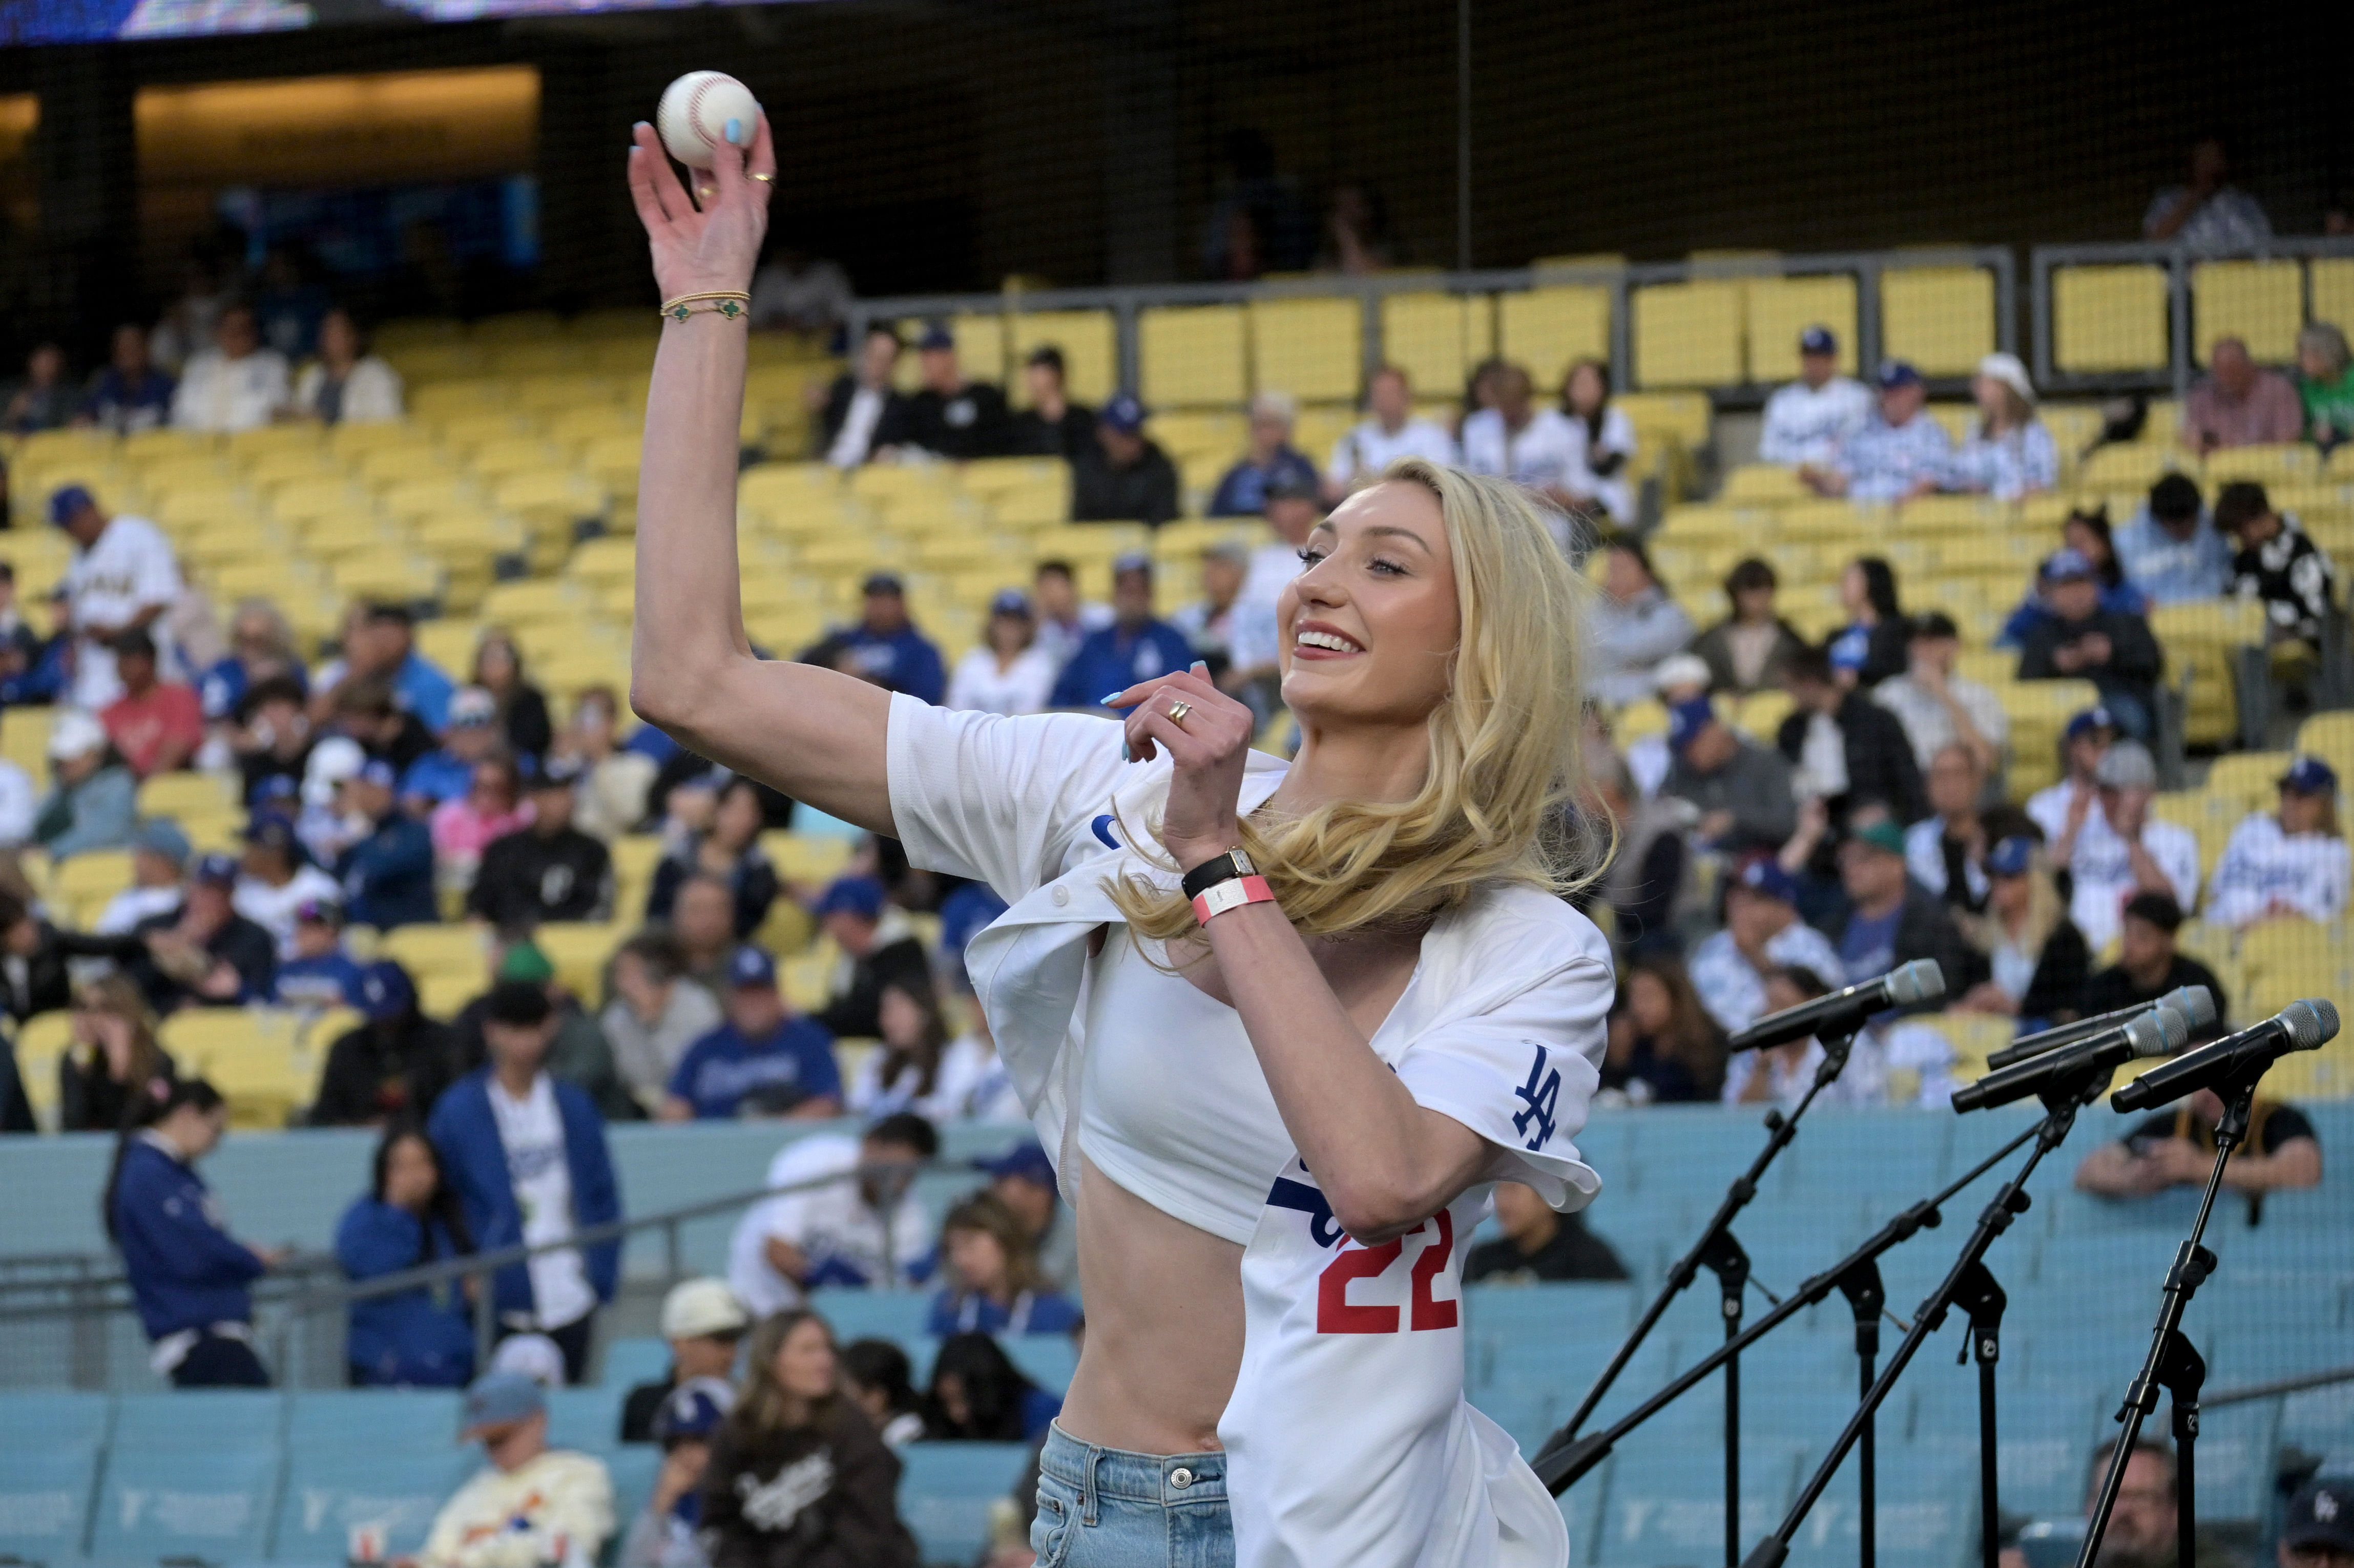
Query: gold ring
[766, 179]
[1178, 710]
[706, 192]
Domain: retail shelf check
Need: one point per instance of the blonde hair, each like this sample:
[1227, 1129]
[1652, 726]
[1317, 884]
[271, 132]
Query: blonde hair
[2045, 912]
[1505, 754]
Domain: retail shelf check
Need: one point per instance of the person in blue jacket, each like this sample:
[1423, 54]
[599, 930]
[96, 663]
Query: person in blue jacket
[991, 1284]
[419, 1338]
[1137, 646]
[190, 1279]
[527, 1155]
[388, 876]
[885, 647]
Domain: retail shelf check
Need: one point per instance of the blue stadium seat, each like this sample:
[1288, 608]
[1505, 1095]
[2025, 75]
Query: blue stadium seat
[1665, 1502]
[946, 1490]
[1906, 1157]
[1926, 1514]
[211, 1419]
[896, 1315]
[628, 1362]
[50, 1419]
[2234, 1456]
[334, 1486]
[45, 1498]
[1047, 1360]
[1582, 1311]
[390, 1419]
[2044, 1440]
[589, 1419]
[212, 1502]
[2320, 1421]
[633, 1470]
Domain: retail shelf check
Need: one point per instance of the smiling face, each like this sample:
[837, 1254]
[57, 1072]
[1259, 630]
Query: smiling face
[1369, 627]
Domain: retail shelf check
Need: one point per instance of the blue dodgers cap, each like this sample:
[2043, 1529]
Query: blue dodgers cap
[2310, 775]
[2086, 722]
[935, 337]
[67, 502]
[850, 896]
[1027, 1161]
[1896, 373]
[218, 870]
[2067, 565]
[1131, 561]
[693, 1409]
[500, 1399]
[751, 967]
[270, 829]
[385, 991]
[160, 835]
[1124, 414]
[2012, 857]
[883, 582]
[1818, 339]
[1765, 877]
[1010, 601]
[1687, 719]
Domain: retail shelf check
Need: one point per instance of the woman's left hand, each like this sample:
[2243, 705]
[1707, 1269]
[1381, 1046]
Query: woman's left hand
[1208, 747]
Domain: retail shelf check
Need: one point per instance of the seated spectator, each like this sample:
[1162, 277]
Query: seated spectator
[766, 1060]
[2037, 960]
[388, 874]
[1747, 650]
[235, 384]
[2239, 404]
[978, 1395]
[1137, 646]
[365, 711]
[1762, 933]
[1900, 452]
[1874, 644]
[655, 1014]
[1212, 623]
[531, 1503]
[883, 646]
[1807, 421]
[274, 880]
[2113, 848]
[2175, 1148]
[2278, 564]
[863, 414]
[1123, 476]
[522, 706]
[155, 724]
[800, 293]
[1939, 708]
[380, 644]
[447, 772]
[464, 828]
[1518, 440]
[548, 870]
[879, 1376]
[728, 851]
[950, 417]
[990, 1279]
[1781, 1074]
[704, 921]
[1741, 789]
[204, 953]
[1893, 920]
[160, 853]
[2318, 1531]
[609, 798]
[130, 394]
[878, 947]
[267, 729]
[1946, 851]
[345, 385]
[93, 803]
[1009, 672]
[1023, 1179]
[1389, 431]
[316, 972]
[1538, 1246]
[1052, 425]
[1631, 627]
[1064, 622]
[822, 1225]
[421, 1336]
[1650, 881]
[527, 1156]
[2149, 964]
[1269, 456]
[1662, 1046]
[125, 576]
[1599, 483]
[2171, 551]
[190, 1280]
[2007, 453]
[391, 1067]
[2085, 530]
[2083, 641]
[1844, 747]
[2291, 863]
[705, 1325]
[31, 667]
[917, 1068]
[578, 1053]
[667, 1533]
[2324, 385]
[43, 400]
[2210, 214]
[2082, 744]
[114, 1060]
[796, 1461]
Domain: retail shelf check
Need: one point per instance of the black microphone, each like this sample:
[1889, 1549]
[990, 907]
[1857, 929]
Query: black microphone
[2300, 1026]
[1920, 981]
[2195, 1002]
[2159, 1032]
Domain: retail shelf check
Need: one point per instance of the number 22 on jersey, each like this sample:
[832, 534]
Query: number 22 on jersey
[1336, 1314]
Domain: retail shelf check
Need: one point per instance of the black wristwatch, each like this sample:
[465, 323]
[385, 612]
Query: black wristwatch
[1216, 869]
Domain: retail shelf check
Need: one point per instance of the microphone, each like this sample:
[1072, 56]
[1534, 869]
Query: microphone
[2159, 1032]
[2300, 1026]
[1920, 981]
[2195, 1002]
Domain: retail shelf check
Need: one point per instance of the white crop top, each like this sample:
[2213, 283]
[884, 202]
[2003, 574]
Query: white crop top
[1172, 1104]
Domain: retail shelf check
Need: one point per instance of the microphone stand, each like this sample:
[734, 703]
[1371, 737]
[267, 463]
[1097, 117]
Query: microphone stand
[2172, 1362]
[1969, 1285]
[1718, 1251]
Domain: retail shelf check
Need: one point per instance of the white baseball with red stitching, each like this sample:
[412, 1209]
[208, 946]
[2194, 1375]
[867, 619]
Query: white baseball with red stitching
[694, 112]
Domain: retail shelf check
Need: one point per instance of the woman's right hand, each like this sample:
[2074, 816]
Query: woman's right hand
[717, 245]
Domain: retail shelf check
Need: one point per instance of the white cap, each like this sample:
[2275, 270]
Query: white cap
[1680, 669]
[335, 759]
[73, 733]
[1273, 405]
[533, 1356]
[700, 1309]
[2007, 369]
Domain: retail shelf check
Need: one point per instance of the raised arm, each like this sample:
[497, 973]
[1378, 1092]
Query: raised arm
[812, 733]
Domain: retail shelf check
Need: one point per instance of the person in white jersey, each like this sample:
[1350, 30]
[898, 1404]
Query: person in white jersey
[123, 578]
[1388, 431]
[1807, 420]
[1390, 993]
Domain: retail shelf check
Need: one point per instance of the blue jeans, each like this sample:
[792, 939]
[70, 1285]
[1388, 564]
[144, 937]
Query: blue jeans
[1105, 1508]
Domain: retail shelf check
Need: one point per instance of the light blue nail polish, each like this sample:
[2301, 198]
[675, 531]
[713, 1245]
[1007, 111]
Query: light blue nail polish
[1107, 698]
[735, 130]
[1125, 755]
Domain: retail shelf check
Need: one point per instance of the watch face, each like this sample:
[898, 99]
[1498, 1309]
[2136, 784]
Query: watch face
[1243, 866]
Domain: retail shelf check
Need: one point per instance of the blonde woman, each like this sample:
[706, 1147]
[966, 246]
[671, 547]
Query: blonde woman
[2038, 959]
[1372, 976]
[114, 1065]
[2007, 453]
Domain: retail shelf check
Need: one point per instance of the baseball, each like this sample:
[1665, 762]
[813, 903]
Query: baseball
[694, 112]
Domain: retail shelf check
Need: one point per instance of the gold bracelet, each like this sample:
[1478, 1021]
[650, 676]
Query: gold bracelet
[731, 303]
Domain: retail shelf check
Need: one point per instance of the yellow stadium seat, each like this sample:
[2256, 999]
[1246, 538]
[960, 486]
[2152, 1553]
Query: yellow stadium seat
[1090, 346]
[580, 950]
[1779, 308]
[2286, 463]
[1436, 338]
[41, 1041]
[1689, 334]
[2209, 817]
[980, 346]
[2329, 736]
[25, 739]
[2250, 778]
[438, 950]
[186, 795]
[2128, 465]
[2330, 281]
[1548, 330]
[1193, 355]
[1763, 484]
[91, 877]
[2202, 636]
[805, 858]
[2260, 302]
[1760, 714]
[1312, 349]
[533, 601]
[2109, 318]
[1940, 319]
[444, 994]
[1974, 1036]
[1685, 416]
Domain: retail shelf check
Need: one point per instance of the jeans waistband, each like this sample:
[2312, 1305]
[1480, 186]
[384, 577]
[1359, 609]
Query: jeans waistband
[1165, 1479]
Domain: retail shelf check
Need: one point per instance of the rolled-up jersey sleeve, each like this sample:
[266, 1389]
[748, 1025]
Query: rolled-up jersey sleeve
[996, 798]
